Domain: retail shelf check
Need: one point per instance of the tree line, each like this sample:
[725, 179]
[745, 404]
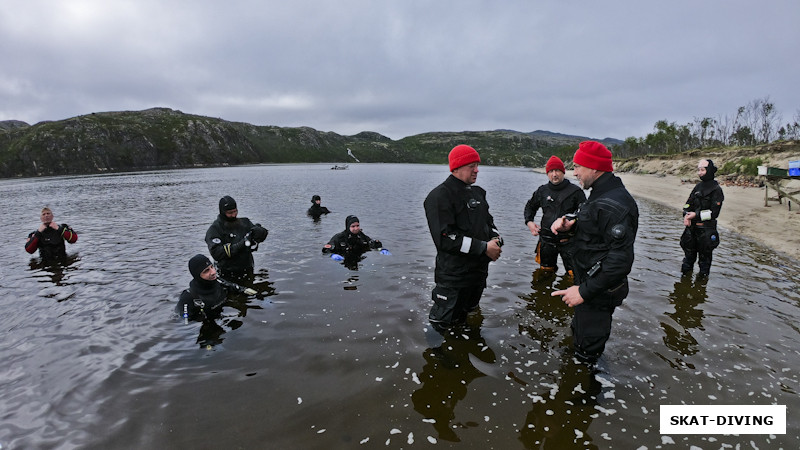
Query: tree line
[758, 122]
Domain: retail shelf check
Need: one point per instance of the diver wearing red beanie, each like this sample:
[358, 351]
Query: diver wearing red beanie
[593, 155]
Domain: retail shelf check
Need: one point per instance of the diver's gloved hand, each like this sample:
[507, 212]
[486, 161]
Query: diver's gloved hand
[385, 252]
[250, 242]
[250, 291]
[258, 233]
[236, 247]
[337, 257]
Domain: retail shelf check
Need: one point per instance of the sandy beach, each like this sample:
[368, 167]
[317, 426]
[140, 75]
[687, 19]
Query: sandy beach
[743, 211]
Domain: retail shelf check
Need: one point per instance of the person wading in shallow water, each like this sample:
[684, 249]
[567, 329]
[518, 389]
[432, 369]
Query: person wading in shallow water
[49, 238]
[465, 237]
[556, 198]
[316, 209]
[232, 240]
[207, 292]
[605, 229]
[700, 237]
[352, 241]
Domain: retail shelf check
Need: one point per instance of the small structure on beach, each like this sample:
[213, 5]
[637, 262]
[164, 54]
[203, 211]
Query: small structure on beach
[777, 178]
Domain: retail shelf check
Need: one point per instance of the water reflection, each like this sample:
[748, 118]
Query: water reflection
[550, 317]
[560, 419]
[564, 398]
[686, 297]
[352, 260]
[450, 366]
[212, 329]
[56, 269]
[330, 357]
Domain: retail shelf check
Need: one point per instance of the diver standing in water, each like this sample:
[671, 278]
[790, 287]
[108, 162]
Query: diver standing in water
[49, 238]
[316, 209]
[605, 229]
[465, 237]
[556, 198]
[232, 240]
[700, 237]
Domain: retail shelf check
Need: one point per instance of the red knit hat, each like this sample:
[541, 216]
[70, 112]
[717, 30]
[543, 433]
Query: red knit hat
[554, 163]
[461, 155]
[593, 155]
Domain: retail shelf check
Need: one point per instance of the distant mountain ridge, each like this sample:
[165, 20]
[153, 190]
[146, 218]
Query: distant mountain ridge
[162, 138]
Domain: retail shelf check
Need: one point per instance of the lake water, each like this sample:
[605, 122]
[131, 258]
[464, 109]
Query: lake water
[332, 358]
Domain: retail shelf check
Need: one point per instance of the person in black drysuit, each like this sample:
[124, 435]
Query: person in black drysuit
[465, 237]
[207, 292]
[49, 238]
[556, 198]
[700, 213]
[316, 209]
[602, 250]
[352, 241]
[231, 241]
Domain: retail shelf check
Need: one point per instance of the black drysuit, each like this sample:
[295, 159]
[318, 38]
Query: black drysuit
[701, 237]
[555, 200]
[602, 254]
[229, 247]
[461, 227]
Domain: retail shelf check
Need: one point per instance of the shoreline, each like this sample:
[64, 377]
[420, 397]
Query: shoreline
[743, 210]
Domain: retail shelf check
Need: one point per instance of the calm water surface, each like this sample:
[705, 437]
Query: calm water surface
[336, 358]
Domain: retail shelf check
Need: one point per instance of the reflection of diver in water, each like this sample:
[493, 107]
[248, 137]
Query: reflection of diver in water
[447, 373]
[560, 417]
[206, 296]
[550, 318]
[57, 268]
[686, 296]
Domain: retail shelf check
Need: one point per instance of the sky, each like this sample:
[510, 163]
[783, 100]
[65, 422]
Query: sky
[403, 67]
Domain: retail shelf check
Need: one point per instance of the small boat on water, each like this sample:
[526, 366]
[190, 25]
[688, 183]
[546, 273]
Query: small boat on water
[345, 166]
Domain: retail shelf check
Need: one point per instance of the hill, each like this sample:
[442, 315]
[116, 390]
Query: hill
[162, 138]
[737, 165]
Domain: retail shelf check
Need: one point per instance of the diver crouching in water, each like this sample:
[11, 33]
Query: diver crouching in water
[207, 292]
[349, 245]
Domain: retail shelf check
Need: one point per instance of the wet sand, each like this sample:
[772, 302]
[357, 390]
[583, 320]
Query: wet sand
[742, 212]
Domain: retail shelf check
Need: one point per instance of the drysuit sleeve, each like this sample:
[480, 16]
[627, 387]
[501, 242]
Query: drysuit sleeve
[717, 198]
[372, 243]
[531, 207]
[68, 234]
[187, 307]
[690, 206]
[333, 245]
[32, 244]
[574, 201]
[221, 250]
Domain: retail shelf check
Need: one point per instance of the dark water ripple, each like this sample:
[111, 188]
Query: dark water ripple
[337, 358]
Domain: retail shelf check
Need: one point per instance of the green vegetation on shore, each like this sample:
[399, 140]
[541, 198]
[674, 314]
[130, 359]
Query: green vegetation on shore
[161, 138]
[754, 124]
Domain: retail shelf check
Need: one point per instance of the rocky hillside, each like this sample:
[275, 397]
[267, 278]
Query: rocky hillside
[161, 138]
[737, 165]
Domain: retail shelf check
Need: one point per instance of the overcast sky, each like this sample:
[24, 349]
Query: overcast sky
[404, 67]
